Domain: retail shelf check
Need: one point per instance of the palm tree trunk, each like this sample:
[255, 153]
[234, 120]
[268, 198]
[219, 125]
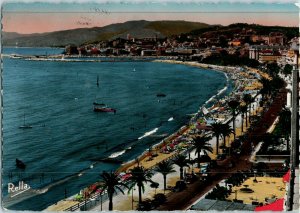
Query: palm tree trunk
[233, 126]
[165, 182]
[140, 193]
[110, 205]
[181, 173]
[198, 159]
[242, 122]
[217, 144]
[246, 119]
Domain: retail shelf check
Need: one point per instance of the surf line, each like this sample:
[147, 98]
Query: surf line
[148, 133]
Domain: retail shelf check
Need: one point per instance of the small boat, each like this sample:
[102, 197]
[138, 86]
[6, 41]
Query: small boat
[161, 95]
[133, 70]
[104, 109]
[20, 164]
[25, 126]
[97, 80]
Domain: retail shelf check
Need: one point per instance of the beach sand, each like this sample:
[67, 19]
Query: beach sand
[266, 187]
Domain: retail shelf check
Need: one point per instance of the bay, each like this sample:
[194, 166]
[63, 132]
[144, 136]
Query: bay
[68, 137]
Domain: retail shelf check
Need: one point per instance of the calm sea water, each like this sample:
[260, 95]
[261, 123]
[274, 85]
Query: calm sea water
[56, 99]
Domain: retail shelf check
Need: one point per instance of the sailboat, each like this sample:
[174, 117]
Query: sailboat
[97, 80]
[25, 126]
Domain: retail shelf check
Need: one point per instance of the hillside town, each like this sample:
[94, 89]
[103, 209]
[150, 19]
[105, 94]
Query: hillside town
[244, 44]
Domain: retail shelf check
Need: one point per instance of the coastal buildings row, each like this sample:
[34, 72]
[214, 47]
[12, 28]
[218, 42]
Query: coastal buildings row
[265, 49]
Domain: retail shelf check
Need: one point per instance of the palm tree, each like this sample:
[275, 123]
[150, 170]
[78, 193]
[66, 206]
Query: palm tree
[138, 177]
[217, 130]
[244, 109]
[165, 168]
[233, 105]
[181, 161]
[247, 98]
[111, 183]
[154, 185]
[200, 143]
[266, 88]
[225, 132]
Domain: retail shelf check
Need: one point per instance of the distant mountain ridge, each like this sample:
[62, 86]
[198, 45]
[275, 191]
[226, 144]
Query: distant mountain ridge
[137, 29]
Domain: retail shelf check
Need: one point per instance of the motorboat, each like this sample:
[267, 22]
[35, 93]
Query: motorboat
[161, 95]
[104, 109]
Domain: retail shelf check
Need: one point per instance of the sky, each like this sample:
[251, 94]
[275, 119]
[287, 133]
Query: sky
[35, 17]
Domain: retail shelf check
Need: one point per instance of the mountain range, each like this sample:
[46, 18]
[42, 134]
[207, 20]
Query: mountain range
[137, 29]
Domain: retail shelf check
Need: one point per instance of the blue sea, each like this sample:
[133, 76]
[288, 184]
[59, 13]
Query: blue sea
[68, 137]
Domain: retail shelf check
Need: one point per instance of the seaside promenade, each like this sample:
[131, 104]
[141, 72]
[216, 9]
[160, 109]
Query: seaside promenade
[128, 201]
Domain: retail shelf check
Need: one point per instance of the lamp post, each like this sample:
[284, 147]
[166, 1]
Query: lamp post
[132, 198]
[255, 181]
[294, 152]
[101, 200]
[235, 192]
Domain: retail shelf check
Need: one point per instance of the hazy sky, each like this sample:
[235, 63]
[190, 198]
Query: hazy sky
[47, 17]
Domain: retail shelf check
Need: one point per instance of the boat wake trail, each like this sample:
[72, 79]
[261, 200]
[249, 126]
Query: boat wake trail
[117, 154]
[171, 119]
[148, 133]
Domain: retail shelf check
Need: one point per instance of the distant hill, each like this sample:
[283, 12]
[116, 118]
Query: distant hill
[232, 29]
[137, 29]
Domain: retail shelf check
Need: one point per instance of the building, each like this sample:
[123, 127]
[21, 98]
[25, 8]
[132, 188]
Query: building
[255, 50]
[268, 56]
[261, 39]
[276, 38]
[235, 42]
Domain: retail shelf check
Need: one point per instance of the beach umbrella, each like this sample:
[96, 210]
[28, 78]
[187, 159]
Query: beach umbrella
[286, 178]
[275, 206]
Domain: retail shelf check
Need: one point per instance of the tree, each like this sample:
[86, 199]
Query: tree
[165, 168]
[181, 161]
[200, 143]
[273, 69]
[287, 70]
[266, 89]
[247, 98]
[217, 131]
[154, 185]
[244, 109]
[233, 105]
[111, 183]
[226, 131]
[138, 177]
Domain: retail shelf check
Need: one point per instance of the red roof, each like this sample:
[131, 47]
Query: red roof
[275, 206]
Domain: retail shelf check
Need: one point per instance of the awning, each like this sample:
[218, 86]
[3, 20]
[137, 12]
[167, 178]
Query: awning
[275, 206]
[286, 178]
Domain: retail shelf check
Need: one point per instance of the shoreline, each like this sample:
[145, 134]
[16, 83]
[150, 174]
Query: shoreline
[142, 157]
[222, 69]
